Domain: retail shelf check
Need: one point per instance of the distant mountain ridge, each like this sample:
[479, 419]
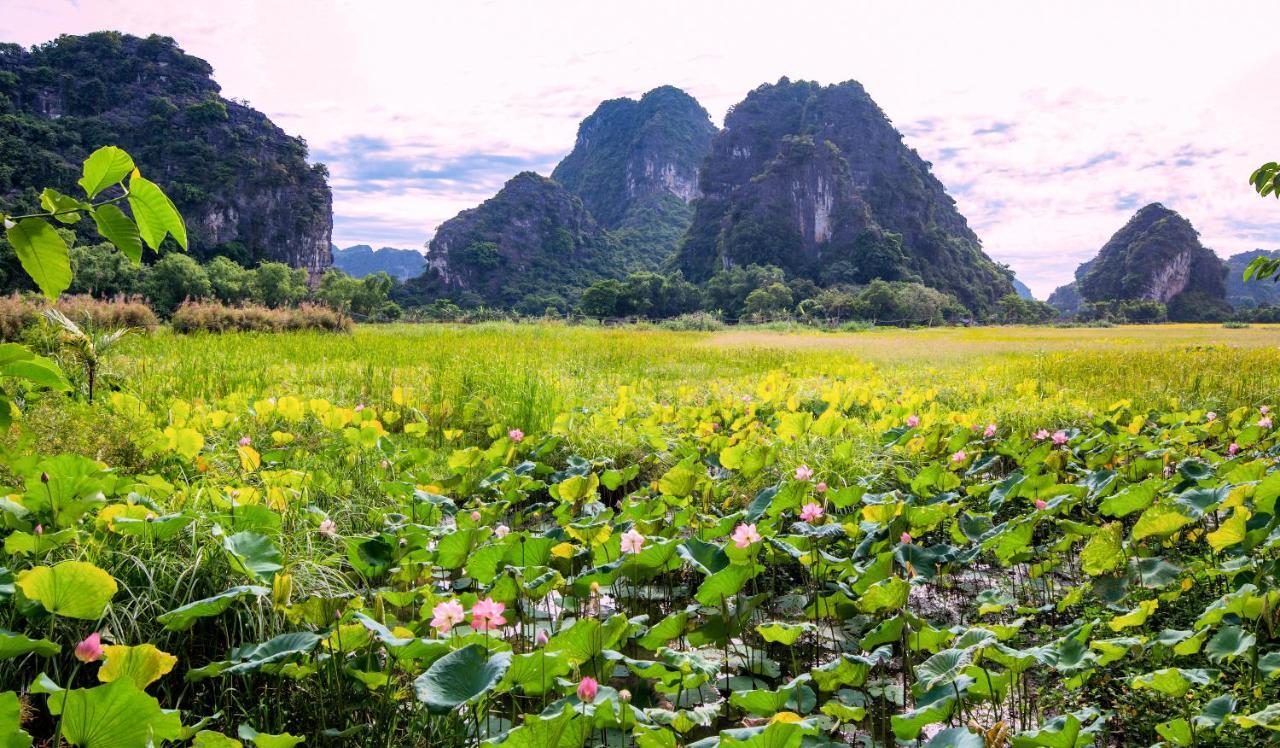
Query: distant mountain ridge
[815, 179]
[1242, 295]
[361, 260]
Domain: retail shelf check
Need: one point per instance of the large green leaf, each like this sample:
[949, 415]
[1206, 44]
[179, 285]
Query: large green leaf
[106, 166]
[155, 214]
[120, 230]
[565, 729]
[942, 668]
[184, 617]
[11, 733]
[253, 554]
[956, 737]
[1229, 643]
[14, 645]
[460, 676]
[266, 740]
[43, 255]
[253, 657]
[1104, 551]
[73, 589]
[725, 583]
[115, 715]
[65, 209]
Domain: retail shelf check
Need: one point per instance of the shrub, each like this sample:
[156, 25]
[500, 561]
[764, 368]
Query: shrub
[19, 315]
[204, 316]
[694, 322]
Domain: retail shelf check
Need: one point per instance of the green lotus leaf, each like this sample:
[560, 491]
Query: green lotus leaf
[15, 645]
[264, 740]
[253, 555]
[956, 737]
[460, 677]
[11, 733]
[72, 589]
[184, 617]
[114, 715]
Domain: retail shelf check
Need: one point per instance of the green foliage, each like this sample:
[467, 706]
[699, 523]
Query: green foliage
[174, 279]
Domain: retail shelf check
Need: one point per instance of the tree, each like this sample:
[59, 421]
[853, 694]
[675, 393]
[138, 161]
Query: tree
[100, 271]
[276, 285]
[174, 279]
[600, 300]
[1266, 180]
[228, 280]
[770, 301]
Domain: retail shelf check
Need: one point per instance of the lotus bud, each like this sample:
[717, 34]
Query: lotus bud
[624, 696]
[90, 650]
[44, 477]
[588, 688]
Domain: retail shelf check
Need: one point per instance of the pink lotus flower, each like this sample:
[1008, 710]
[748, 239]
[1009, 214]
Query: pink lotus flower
[1234, 449]
[446, 615]
[821, 487]
[502, 531]
[905, 538]
[587, 689]
[486, 615]
[959, 457]
[39, 529]
[1265, 422]
[1264, 410]
[1060, 437]
[245, 441]
[541, 638]
[1041, 503]
[1211, 416]
[1041, 435]
[913, 421]
[744, 535]
[328, 528]
[90, 650]
[811, 511]
[515, 435]
[475, 516]
[804, 472]
[989, 431]
[632, 541]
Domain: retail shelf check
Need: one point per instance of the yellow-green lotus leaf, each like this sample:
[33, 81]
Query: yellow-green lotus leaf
[72, 589]
[144, 664]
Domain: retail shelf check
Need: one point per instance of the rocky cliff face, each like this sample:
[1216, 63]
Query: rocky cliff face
[815, 179]
[635, 167]
[533, 237]
[243, 185]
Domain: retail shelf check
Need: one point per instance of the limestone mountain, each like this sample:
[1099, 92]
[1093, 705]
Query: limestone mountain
[1021, 289]
[635, 167]
[532, 239]
[1242, 295]
[815, 179]
[1156, 256]
[361, 260]
[243, 184]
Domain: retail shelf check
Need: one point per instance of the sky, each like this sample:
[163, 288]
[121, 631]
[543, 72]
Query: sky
[1050, 123]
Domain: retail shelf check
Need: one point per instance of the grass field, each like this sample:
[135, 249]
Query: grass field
[550, 535]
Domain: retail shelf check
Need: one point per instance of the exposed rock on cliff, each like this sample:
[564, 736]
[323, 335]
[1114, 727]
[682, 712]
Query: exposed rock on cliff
[243, 185]
[816, 180]
[635, 167]
[532, 238]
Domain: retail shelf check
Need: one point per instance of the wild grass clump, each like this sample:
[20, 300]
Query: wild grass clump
[19, 314]
[206, 316]
[694, 322]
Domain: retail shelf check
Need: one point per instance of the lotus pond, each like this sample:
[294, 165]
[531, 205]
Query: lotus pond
[553, 536]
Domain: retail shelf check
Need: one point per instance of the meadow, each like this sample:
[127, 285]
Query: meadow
[552, 535]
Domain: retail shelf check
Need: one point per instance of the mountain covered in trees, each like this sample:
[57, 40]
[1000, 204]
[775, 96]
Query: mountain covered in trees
[1155, 258]
[361, 260]
[533, 239]
[635, 167]
[1252, 294]
[815, 180]
[243, 185]
[618, 203]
